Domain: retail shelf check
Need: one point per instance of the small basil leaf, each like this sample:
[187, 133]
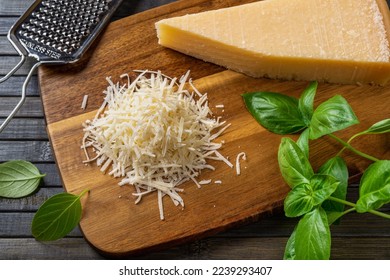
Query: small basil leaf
[56, 217]
[337, 168]
[374, 189]
[289, 251]
[306, 102]
[313, 239]
[276, 112]
[299, 201]
[332, 115]
[303, 142]
[18, 178]
[293, 163]
[378, 128]
[323, 186]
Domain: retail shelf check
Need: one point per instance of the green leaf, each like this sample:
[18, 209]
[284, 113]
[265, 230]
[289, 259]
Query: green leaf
[289, 251]
[303, 142]
[333, 217]
[293, 163]
[57, 216]
[306, 102]
[276, 112]
[303, 198]
[332, 115]
[378, 128]
[299, 201]
[337, 168]
[313, 239]
[18, 178]
[374, 189]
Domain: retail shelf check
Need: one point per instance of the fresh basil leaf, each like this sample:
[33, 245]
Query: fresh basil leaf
[303, 142]
[57, 216]
[303, 198]
[18, 178]
[293, 163]
[378, 128]
[374, 189]
[332, 115]
[299, 201]
[313, 239]
[306, 102]
[337, 168]
[323, 186]
[276, 112]
[289, 251]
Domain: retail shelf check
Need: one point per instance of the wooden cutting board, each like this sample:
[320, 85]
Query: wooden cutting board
[111, 222]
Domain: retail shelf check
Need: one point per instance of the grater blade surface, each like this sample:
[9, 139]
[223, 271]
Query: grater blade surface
[56, 32]
[61, 30]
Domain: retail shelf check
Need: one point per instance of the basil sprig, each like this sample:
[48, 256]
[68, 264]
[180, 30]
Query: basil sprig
[318, 198]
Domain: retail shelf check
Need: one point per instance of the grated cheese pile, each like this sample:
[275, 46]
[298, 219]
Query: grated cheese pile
[154, 134]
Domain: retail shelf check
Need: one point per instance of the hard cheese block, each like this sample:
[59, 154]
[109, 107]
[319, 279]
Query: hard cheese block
[326, 40]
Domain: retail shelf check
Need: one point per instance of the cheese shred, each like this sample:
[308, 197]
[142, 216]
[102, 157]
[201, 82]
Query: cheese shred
[154, 133]
[238, 166]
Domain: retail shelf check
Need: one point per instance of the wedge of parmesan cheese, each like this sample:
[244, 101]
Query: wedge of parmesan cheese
[155, 133]
[340, 41]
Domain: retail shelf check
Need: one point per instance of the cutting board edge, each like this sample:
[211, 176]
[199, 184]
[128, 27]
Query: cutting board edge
[275, 208]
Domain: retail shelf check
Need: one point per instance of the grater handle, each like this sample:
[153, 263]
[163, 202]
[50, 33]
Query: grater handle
[23, 96]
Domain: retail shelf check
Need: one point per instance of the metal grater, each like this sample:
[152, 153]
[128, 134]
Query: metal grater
[56, 32]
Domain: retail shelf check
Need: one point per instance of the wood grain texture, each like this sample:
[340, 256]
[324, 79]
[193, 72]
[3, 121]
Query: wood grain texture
[207, 249]
[32, 107]
[134, 41]
[28, 129]
[13, 87]
[257, 192]
[264, 239]
[34, 151]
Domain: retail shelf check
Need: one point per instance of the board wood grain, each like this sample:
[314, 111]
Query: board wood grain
[111, 222]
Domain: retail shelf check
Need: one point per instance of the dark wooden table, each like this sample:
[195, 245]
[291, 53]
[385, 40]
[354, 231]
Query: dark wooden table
[358, 236]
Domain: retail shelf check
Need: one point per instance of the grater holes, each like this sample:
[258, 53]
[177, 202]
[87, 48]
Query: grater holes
[64, 24]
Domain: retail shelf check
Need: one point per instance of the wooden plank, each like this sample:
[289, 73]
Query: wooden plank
[25, 129]
[14, 7]
[36, 151]
[129, 8]
[6, 23]
[52, 178]
[5, 47]
[354, 248]
[30, 249]
[18, 225]
[13, 87]
[8, 62]
[29, 203]
[32, 107]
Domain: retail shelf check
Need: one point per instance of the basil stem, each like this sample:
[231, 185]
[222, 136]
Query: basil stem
[377, 213]
[349, 147]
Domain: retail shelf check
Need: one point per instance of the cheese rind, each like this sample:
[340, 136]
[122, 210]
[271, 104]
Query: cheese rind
[339, 41]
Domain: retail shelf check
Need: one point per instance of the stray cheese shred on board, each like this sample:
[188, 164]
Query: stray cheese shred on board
[154, 134]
